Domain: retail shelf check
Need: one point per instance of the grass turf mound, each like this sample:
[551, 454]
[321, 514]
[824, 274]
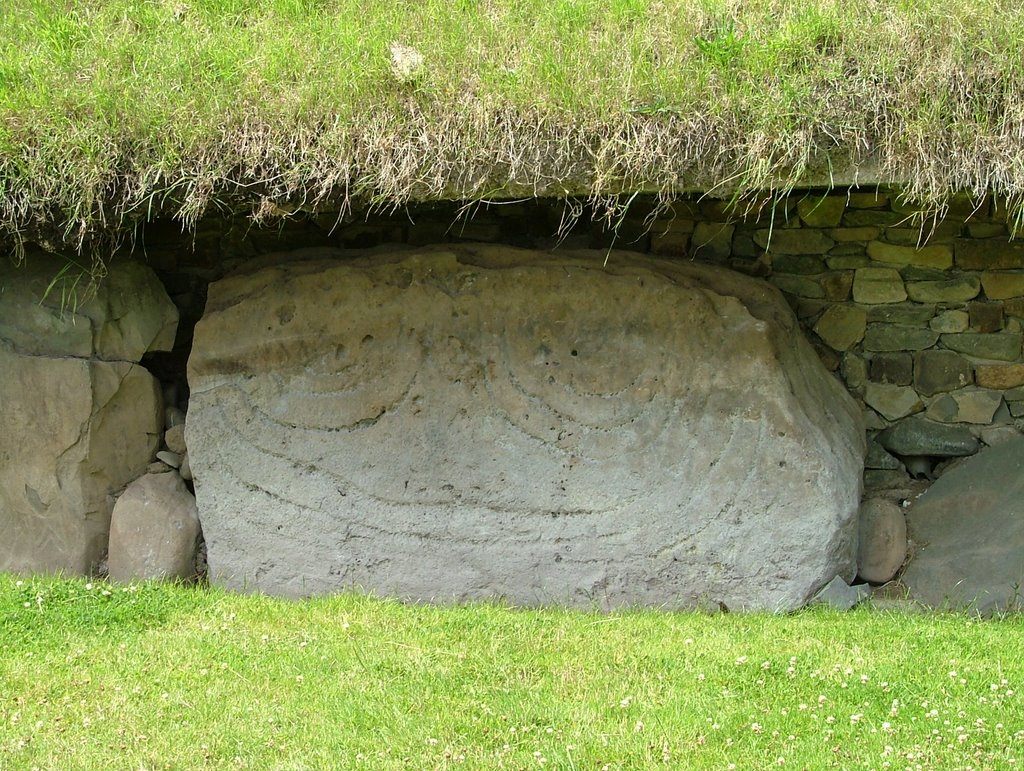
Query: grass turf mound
[115, 111]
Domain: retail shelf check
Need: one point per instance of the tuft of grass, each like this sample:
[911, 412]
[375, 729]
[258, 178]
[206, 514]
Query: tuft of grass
[114, 111]
[96, 675]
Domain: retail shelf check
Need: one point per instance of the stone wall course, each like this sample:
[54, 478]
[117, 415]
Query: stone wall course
[877, 286]
[919, 318]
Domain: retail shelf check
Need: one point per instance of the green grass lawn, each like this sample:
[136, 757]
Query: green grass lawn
[112, 111]
[101, 676]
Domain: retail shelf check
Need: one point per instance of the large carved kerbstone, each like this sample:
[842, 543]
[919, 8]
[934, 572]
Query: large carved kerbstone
[471, 422]
[79, 418]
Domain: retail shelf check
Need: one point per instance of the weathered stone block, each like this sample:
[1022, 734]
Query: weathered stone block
[1002, 346]
[712, 241]
[954, 290]
[174, 438]
[801, 286]
[798, 263]
[950, 321]
[968, 406]
[878, 458]
[80, 419]
[934, 256]
[743, 246]
[847, 261]
[793, 241]
[854, 371]
[883, 540]
[997, 254]
[970, 527]
[1014, 307]
[854, 234]
[125, 316]
[911, 234]
[75, 431]
[903, 313]
[854, 218]
[868, 200]
[985, 317]
[1002, 286]
[892, 368]
[873, 286]
[898, 337]
[483, 422]
[937, 371]
[850, 250]
[837, 285]
[821, 211]
[999, 376]
[986, 230]
[917, 273]
[672, 242]
[154, 530]
[892, 402]
[917, 436]
[842, 326]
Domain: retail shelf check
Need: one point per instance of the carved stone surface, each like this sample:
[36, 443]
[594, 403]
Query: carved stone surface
[969, 531]
[79, 418]
[472, 421]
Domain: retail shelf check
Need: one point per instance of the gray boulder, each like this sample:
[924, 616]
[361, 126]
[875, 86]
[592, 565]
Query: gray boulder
[476, 421]
[883, 540]
[969, 532]
[154, 530]
[917, 436]
[80, 418]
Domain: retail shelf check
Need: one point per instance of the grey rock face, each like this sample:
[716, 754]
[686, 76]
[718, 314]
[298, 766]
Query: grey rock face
[154, 530]
[883, 540]
[969, 529]
[125, 316]
[840, 595]
[80, 419]
[471, 422]
[917, 436]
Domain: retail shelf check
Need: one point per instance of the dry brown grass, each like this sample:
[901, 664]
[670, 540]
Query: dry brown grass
[115, 112]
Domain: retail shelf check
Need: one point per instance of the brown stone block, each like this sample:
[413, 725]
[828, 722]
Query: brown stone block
[1002, 286]
[937, 371]
[954, 290]
[898, 337]
[1002, 346]
[1014, 307]
[892, 368]
[999, 376]
[985, 317]
[842, 326]
[878, 286]
[837, 285]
